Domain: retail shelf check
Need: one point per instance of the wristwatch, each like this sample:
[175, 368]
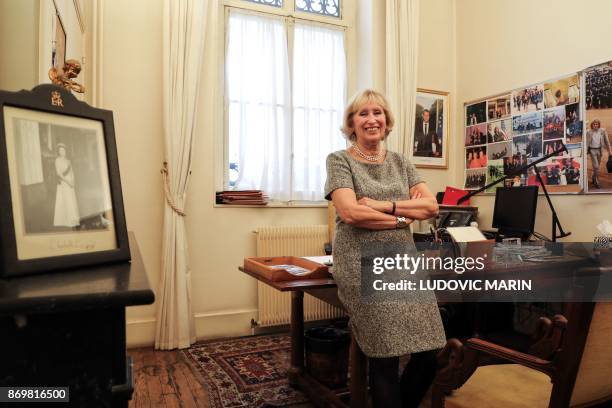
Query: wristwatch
[400, 222]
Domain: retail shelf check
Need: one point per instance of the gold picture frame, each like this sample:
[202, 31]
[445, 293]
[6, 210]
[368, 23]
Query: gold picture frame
[430, 142]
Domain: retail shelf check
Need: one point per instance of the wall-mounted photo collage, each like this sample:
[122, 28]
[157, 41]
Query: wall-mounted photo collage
[509, 131]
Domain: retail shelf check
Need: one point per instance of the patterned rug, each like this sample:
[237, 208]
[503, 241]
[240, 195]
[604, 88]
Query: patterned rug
[245, 372]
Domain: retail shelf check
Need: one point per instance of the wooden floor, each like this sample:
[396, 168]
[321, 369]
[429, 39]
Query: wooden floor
[164, 379]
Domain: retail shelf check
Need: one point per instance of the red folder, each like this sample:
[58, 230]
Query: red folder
[453, 194]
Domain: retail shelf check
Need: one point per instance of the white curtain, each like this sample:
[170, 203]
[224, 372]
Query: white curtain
[319, 95]
[184, 28]
[280, 133]
[402, 40]
[257, 78]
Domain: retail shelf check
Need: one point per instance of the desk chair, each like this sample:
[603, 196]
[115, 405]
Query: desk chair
[567, 363]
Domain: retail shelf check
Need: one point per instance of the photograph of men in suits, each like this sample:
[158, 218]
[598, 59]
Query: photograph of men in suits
[427, 143]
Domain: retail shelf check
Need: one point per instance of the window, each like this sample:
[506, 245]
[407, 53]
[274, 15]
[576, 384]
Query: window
[324, 7]
[285, 90]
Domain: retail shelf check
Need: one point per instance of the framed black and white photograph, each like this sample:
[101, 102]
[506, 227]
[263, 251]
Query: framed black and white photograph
[63, 195]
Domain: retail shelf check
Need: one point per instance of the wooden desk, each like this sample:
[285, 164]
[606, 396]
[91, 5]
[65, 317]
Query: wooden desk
[320, 395]
[325, 289]
[68, 329]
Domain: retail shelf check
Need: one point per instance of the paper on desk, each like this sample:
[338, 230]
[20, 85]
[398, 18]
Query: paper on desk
[292, 269]
[325, 259]
[466, 234]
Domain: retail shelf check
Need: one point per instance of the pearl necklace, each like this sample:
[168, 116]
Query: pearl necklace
[371, 158]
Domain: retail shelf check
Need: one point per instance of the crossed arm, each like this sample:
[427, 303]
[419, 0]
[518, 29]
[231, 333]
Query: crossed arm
[375, 215]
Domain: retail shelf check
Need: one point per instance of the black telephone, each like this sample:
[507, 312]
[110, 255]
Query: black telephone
[455, 219]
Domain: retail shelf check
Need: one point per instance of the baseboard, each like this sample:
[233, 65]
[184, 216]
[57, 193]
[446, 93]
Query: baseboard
[223, 324]
[230, 323]
[140, 332]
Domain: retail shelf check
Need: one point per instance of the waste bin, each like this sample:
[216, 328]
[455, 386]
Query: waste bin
[327, 354]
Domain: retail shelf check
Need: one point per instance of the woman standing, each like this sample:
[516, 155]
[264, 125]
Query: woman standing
[597, 140]
[66, 209]
[377, 194]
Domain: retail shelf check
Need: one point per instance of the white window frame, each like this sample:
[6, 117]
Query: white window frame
[221, 145]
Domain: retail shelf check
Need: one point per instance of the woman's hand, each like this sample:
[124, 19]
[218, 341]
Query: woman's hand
[417, 194]
[382, 206]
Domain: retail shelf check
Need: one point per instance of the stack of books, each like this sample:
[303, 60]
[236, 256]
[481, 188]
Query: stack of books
[242, 197]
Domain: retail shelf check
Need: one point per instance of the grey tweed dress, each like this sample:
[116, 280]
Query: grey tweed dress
[383, 328]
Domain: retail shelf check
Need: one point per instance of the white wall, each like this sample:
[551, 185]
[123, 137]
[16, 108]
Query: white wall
[131, 88]
[506, 44]
[18, 44]
[437, 70]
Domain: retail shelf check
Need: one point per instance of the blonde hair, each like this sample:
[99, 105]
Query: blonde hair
[357, 101]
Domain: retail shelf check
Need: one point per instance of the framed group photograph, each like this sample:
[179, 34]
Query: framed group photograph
[431, 129]
[61, 198]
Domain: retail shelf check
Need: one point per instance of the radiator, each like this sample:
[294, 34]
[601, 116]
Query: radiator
[304, 240]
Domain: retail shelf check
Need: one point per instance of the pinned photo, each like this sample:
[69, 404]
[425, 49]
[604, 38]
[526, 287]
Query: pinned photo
[527, 99]
[476, 135]
[555, 172]
[498, 151]
[574, 150]
[560, 175]
[528, 122]
[519, 145]
[495, 171]
[499, 131]
[561, 92]
[514, 163]
[573, 124]
[598, 150]
[598, 87]
[551, 146]
[498, 108]
[476, 113]
[475, 179]
[534, 146]
[554, 121]
[476, 157]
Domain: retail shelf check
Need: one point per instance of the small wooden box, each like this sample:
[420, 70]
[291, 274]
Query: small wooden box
[265, 266]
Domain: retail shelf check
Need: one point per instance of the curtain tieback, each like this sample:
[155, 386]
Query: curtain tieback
[169, 199]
